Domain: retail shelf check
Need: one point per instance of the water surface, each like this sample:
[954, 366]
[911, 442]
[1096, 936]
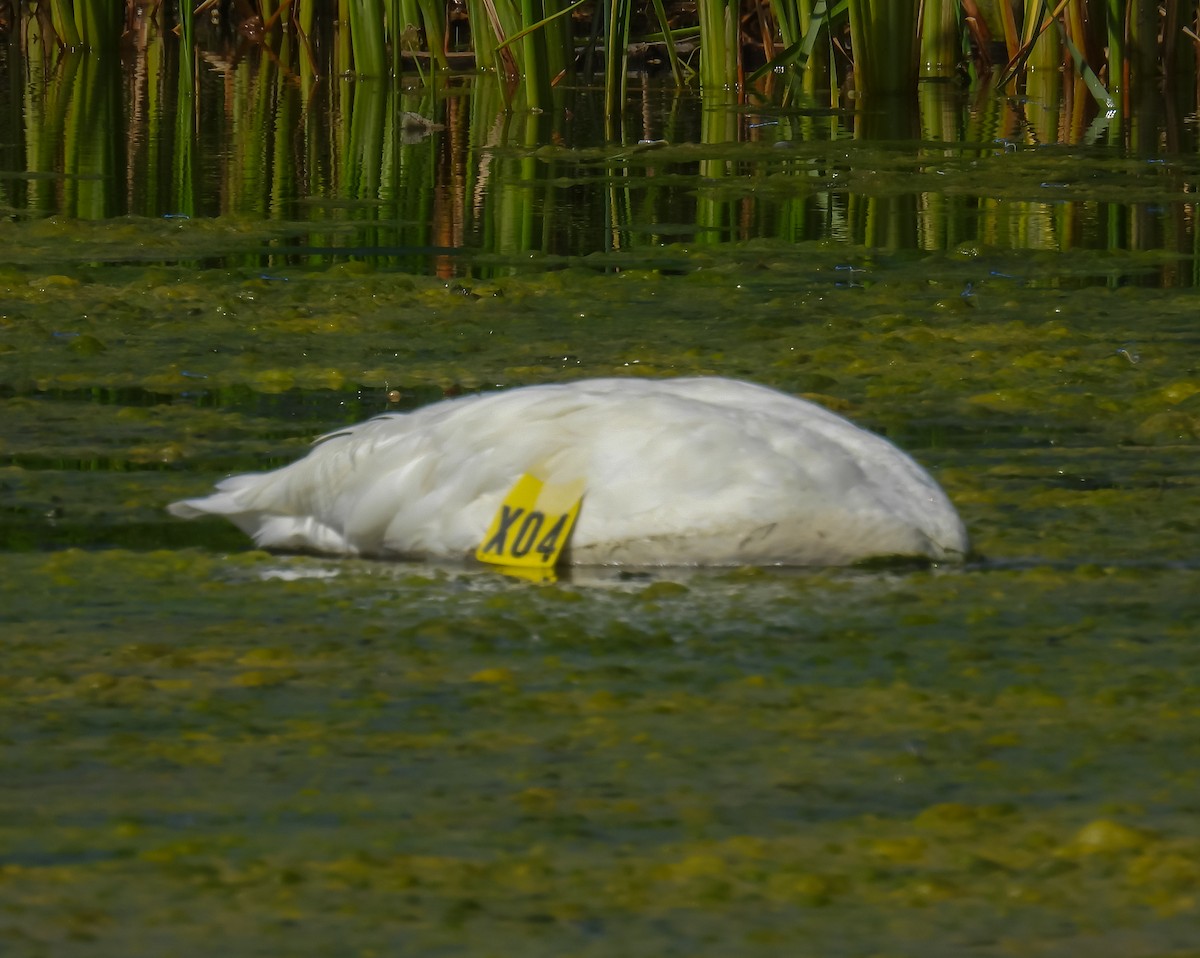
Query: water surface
[207, 748]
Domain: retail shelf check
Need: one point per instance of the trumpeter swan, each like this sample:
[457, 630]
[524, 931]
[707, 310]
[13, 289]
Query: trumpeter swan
[699, 471]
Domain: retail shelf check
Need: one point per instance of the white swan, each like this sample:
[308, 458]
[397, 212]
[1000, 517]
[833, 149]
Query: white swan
[702, 471]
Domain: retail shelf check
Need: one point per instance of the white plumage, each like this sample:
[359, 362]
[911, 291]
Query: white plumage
[702, 471]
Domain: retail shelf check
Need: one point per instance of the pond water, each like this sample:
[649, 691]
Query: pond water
[206, 748]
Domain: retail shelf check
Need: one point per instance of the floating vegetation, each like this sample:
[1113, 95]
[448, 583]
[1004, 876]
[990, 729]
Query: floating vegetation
[205, 748]
[237, 747]
[723, 764]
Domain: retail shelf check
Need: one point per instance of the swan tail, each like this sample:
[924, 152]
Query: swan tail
[268, 530]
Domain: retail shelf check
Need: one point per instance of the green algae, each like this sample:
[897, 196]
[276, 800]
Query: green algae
[206, 748]
[698, 764]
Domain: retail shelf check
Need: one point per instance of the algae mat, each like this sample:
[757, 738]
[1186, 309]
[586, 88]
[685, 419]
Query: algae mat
[205, 749]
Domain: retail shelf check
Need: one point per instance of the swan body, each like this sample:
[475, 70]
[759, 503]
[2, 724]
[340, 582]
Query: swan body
[701, 471]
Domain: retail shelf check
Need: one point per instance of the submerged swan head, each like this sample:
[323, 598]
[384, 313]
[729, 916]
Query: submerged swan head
[698, 471]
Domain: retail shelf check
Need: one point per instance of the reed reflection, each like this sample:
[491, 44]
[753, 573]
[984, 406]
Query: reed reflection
[456, 174]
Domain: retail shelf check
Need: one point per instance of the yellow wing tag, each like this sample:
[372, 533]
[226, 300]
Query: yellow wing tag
[533, 524]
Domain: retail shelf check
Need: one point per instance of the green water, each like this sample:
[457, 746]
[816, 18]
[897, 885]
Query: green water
[208, 748]
[373, 759]
[205, 749]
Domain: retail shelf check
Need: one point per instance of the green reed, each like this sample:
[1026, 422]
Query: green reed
[884, 38]
[367, 34]
[1120, 48]
[337, 154]
[720, 58]
[941, 40]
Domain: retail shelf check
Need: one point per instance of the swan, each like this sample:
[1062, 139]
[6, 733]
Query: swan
[691, 471]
